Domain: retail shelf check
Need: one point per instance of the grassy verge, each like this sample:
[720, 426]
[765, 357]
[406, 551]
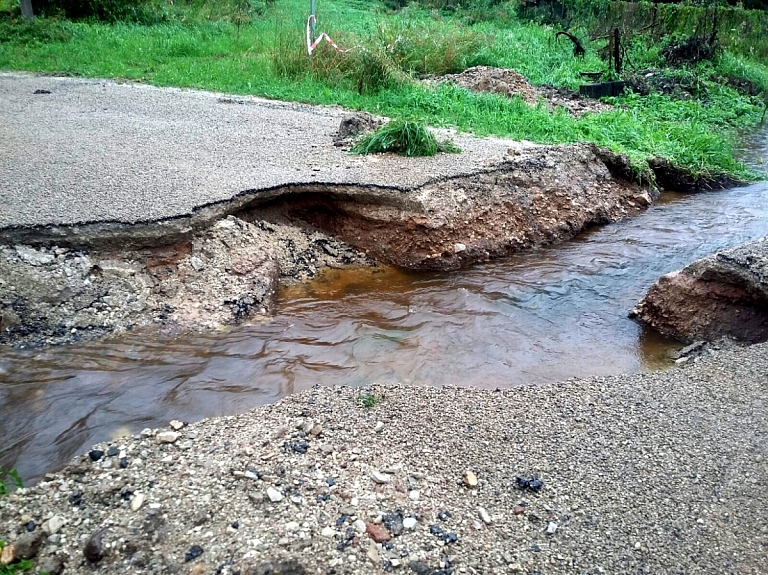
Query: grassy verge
[201, 46]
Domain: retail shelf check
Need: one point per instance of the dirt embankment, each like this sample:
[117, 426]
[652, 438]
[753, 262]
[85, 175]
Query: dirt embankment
[222, 264]
[725, 294]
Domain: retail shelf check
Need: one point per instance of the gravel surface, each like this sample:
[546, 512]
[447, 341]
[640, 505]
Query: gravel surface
[661, 472]
[95, 150]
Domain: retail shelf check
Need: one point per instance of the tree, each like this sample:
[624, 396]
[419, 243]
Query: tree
[26, 9]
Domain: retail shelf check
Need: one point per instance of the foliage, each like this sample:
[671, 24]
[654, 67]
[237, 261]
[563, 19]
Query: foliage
[404, 137]
[11, 477]
[200, 47]
[367, 399]
[105, 10]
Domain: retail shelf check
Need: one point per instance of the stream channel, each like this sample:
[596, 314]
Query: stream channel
[541, 316]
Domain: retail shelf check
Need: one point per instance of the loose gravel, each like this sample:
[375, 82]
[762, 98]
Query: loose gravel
[97, 150]
[661, 472]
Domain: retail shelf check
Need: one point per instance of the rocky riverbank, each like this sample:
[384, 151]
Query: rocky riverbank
[663, 472]
[725, 294]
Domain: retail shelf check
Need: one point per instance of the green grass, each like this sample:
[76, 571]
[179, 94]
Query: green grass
[200, 47]
[367, 399]
[404, 137]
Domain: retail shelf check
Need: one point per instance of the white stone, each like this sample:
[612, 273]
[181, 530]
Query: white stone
[176, 424]
[484, 515]
[414, 495]
[274, 495]
[54, 524]
[551, 528]
[459, 247]
[379, 426]
[292, 526]
[410, 523]
[137, 501]
[167, 437]
[328, 531]
[379, 477]
[359, 526]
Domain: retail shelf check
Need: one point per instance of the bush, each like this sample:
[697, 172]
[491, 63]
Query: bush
[403, 137]
[142, 11]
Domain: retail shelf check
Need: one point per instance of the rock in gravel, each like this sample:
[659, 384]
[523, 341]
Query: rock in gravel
[484, 515]
[54, 524]
[378, 533]
[27, 545]
[551, 528]
[137, 501]
[95, 454]
[167, 437]
[359, 526]
[379, 477]
[8, 555]
[93, 549]
[280, 567]
[328, 531]
[176, 425]
[420, 568]
[410, 523]
[470, 479]
[194, 552]
[52, 565]
[274, 495]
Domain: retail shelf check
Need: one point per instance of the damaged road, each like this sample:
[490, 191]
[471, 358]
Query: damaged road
[186, 209]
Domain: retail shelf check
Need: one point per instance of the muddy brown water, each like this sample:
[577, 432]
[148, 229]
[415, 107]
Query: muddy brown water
[539, 317]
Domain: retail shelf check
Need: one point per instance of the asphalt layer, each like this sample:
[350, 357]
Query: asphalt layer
[82, 151]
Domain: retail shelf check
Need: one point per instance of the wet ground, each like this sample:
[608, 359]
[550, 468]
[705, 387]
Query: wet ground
[543, 316]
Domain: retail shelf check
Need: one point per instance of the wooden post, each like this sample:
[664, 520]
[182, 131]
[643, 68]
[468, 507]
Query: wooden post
[26, 9]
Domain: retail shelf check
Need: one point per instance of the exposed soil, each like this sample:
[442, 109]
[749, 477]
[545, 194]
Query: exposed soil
[222, 265]
[725, 294]
[510, 83]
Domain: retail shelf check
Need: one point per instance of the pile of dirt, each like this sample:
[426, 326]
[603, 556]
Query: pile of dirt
[510, 83]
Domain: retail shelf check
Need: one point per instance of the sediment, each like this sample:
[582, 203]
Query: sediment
[725, 294]
[662, 472]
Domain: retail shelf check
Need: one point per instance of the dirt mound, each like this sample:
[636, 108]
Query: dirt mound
[495, 80]
[510, 83]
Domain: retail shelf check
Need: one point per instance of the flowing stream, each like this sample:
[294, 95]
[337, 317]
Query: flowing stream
[538, 317]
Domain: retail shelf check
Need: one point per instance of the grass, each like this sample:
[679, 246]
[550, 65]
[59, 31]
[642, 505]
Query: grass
[199, 46]
[9, 480]
[404, 137]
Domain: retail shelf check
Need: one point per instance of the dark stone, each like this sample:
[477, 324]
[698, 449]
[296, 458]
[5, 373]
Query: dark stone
[123, 463]
[420, 567]
[194, 552]
[340, 521]
[31, 526]
[76, 498]
[112, 451]
[330, 481]
[42, 92]
[235, 525]
[95, 454]
[297, 446]
[444, 515]
[28, 544]
[533, 484]
[323, 497]
[93, 548]
[394, 522]
[279, 567]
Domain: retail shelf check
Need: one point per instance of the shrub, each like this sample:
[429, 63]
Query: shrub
[142, 11]
[403, 137]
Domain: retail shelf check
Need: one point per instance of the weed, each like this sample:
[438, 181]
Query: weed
[404, 137]
[367, 399]
[11, 477]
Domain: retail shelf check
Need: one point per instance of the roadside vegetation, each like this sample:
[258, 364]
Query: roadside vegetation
[689, 110]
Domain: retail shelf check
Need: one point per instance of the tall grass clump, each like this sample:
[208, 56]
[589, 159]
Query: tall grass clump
[404, 137]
